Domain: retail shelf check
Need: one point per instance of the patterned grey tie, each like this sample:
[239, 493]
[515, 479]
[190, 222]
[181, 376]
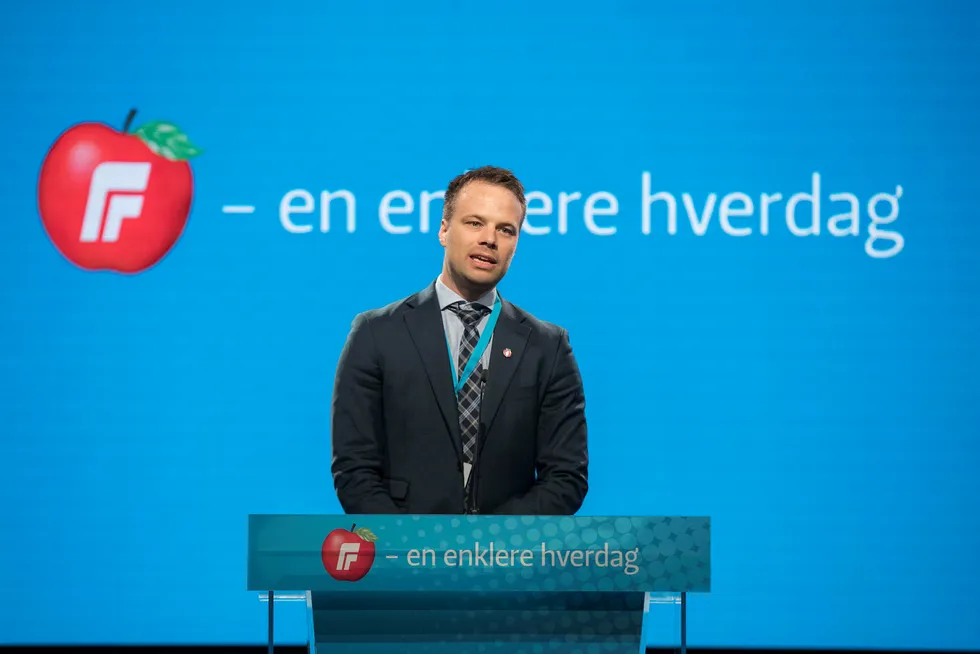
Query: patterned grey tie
[468, 401]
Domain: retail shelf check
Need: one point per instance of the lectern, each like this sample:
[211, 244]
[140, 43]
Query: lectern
[476, 584]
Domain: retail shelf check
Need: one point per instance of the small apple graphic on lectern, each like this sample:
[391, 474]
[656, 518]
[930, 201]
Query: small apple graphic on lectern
[348, 554]
[116, 200]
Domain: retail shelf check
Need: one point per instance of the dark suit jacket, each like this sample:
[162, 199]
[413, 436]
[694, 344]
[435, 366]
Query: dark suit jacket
[395, 429]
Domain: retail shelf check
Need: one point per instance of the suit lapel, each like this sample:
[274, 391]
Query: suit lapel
[425, 326]
[509, 337]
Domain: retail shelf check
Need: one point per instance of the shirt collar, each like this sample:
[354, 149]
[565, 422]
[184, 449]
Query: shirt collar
[447, 296]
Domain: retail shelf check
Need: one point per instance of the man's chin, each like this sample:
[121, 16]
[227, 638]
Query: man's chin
[484, 279]
[480, 282]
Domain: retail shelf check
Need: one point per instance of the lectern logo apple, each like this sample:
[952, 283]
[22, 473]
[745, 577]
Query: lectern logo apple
[348, 554]
[116, 200]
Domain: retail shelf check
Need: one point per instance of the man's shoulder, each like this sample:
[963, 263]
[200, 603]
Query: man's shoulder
[383, 315]
[541, 328]
[390, 311]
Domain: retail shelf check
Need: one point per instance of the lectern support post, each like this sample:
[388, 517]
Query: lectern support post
[683, 622]
[272, 613]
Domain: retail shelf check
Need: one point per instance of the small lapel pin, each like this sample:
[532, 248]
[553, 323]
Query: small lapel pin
[507, 352]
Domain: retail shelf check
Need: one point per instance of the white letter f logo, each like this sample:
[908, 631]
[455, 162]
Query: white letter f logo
[348, 554]
[109, 177]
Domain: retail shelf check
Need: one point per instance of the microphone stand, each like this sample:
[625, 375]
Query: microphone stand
[480, 434]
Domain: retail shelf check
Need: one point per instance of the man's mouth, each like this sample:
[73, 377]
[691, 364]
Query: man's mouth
[483, 258]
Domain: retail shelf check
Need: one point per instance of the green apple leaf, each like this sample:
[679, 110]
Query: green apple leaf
[166, 140]
[366, 534]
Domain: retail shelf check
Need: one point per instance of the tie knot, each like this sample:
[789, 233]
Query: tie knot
[469, 312]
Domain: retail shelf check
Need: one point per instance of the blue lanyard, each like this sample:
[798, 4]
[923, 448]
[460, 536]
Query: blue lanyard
[477, 353]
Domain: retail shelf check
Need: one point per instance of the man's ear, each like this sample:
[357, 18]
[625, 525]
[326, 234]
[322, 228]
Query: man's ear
[443, 228]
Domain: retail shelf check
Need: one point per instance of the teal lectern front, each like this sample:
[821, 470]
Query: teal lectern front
[473, 584]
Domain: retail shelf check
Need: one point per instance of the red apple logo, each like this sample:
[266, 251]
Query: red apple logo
[116, 201]
[348, 555]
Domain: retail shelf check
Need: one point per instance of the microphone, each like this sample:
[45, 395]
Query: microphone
[484, 376]
[480, 435]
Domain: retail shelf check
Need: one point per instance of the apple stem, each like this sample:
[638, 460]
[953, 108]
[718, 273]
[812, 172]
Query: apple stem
[352, 526]
[129, 120]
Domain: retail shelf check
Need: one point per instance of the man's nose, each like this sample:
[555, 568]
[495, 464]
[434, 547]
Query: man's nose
[490, 236]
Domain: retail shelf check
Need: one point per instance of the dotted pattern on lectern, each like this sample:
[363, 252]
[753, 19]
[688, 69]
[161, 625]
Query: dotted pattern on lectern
[669, 557]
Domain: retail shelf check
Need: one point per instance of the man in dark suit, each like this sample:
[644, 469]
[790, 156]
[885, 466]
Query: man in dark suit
[454, 400]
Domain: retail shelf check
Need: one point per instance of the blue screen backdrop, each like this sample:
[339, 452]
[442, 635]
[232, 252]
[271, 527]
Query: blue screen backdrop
[757, 220]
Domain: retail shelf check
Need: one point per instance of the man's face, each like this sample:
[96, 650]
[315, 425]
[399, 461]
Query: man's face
[481, 236]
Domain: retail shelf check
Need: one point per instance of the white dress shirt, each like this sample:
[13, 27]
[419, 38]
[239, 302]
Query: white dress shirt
[454, 326]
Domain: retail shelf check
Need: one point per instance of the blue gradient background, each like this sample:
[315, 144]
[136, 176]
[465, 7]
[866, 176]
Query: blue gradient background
[820, 405]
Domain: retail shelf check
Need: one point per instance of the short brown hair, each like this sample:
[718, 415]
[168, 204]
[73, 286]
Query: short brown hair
[490, 175]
